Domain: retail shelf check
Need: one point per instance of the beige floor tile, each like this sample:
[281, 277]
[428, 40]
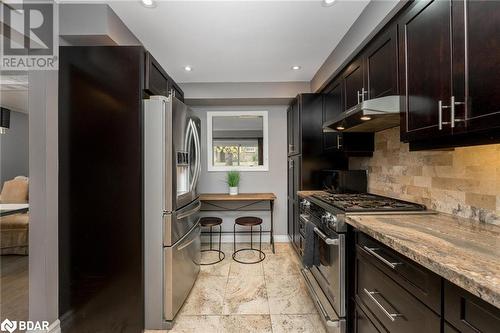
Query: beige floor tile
[281, 264]
[283, 247]
[194, 324]
[246, 324]
[310, 323]
[246, 295]
[242, 270]
[207, 296]
[287, 294]
[219, 269]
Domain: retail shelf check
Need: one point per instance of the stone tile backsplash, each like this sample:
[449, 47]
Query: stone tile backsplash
[463, 182]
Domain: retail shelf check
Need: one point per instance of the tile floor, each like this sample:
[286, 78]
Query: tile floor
[236, 298]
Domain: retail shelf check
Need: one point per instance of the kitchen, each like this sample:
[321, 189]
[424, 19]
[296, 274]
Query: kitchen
[346, 179]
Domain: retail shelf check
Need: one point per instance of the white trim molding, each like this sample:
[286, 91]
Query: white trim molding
[265, 144]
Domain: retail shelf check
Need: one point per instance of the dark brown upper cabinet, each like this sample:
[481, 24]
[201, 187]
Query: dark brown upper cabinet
[294, 128]
[353, 77]
[476, 58]
[359, 144]
[157, 81]
[448, 56]
[381, 64]
[425, 62]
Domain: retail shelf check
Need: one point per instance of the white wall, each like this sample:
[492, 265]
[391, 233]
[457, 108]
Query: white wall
[274, 180]
[375, 15]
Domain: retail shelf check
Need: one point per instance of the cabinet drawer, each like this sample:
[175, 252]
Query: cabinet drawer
[419, 281]
[362, 323]
[395, 308]
[468, 313]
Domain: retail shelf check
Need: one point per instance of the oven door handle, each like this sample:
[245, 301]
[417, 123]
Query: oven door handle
[329, 241]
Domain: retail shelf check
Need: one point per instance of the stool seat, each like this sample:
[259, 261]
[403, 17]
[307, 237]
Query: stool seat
[210, 221]
[248, 221]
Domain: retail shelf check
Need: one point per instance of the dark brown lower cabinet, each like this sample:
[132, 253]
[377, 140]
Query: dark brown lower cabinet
[467, 313]
[362, 324]
[408, 299]
[395, 308]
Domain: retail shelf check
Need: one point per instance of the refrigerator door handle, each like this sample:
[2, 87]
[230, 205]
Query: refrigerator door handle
[190, 212]
[197, 144]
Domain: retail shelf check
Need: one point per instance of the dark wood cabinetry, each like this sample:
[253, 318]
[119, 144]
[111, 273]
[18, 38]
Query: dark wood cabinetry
[362, 323]
[394, 294]
[476, 50]
[381, 64]
[467, 313]
[157, 81]
[425, 59]
[346, 142]
[294, 128]
[394, 307]
[353, 77]
[448, 53]
[306, 154]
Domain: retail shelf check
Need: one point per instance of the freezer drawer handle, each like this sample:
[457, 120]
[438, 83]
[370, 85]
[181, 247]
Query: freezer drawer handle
[183, 246]
[372, 250]
[391, 316]
[326, 317]
[329, 241]
[190, 212]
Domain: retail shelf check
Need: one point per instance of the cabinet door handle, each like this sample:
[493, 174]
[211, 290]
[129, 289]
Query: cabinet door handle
[339, 144]
[391, 316]
[363, 92]
[372, 251]
[359, 96]
[440, 114]
[453, 119]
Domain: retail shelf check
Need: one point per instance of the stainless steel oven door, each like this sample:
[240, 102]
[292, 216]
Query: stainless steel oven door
[330, 272]
[333, 323]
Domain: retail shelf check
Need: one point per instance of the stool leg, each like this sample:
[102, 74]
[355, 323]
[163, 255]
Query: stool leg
[251, 237]
[220, 238]
[210, 238]
[260, 241]
[234, 237]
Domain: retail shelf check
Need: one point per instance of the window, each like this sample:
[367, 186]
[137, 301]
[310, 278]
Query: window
[237, 141]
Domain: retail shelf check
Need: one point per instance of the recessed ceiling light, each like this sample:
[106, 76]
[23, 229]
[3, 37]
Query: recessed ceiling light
[328, 3]
[148, 3]
[188, 68]
[340, 128]
[296, 68]
[365, 118]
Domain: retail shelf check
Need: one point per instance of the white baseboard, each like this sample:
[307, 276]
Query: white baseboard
[245, 238]
[55, 327]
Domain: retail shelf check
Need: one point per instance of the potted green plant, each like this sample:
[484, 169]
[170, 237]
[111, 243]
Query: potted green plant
[233, 180]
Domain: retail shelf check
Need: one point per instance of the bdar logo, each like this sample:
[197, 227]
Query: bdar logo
[8, 326]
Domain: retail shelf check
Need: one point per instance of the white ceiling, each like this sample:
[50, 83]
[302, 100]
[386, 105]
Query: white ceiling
[240, 41]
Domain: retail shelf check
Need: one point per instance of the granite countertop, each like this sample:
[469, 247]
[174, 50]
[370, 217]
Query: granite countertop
[462, 251]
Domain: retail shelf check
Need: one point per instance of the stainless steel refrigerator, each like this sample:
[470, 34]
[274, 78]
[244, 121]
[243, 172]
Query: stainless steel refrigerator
[172, 165]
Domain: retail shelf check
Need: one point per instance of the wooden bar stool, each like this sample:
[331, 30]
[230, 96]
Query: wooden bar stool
[211, 222]
[248, 221]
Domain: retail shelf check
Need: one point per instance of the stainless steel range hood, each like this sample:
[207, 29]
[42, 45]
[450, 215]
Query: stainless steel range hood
[372, 115]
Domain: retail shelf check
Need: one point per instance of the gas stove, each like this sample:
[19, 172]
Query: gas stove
[329, 210]
[365, 202]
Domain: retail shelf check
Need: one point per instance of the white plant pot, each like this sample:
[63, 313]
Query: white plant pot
[233, 190]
